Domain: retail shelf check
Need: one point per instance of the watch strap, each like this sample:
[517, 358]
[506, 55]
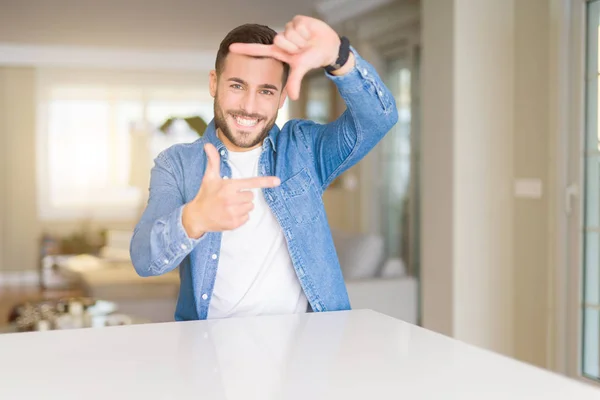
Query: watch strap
[343, 55]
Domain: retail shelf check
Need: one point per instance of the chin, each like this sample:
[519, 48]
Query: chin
[245, 141]
[242, 139]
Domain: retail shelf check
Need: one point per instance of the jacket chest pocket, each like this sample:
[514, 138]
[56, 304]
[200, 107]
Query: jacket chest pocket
[301, 198]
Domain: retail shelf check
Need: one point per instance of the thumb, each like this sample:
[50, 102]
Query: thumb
[213, 168]
[295, 80]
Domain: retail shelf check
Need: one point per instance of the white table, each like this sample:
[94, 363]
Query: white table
[342, 355]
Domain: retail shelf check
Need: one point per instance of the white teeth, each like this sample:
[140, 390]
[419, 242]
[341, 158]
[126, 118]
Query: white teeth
[246, 121]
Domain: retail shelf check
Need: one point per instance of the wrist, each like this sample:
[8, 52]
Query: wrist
[343, 57]
[335, 53]
[191, 222]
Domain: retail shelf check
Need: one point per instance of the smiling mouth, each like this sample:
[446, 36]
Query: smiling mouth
[245, 122]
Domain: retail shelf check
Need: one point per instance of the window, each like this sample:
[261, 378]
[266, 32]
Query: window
[85, 146]
[591, 225]
[98, 136]
[396, 157]
[319, 102]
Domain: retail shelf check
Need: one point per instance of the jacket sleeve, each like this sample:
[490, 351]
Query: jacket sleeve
[159, 241]
[370, 113]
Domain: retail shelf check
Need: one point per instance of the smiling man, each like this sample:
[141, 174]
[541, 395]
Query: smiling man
[240, 210]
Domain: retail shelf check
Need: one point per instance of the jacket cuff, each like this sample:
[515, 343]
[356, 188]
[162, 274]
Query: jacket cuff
[176, 243]
[362, 78]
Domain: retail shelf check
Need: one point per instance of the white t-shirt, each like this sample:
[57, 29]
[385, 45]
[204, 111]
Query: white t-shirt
[255, 275]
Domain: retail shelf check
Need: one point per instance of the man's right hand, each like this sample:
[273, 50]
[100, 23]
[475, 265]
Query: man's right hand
[221, 204]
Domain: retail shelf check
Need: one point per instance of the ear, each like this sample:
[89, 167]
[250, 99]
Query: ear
[282, 97]
[213, 82]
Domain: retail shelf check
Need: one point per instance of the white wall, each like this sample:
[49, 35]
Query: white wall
[483, 105]
[486, 121]
[467, 170]
[18, 213]
[533, 218]
[437, 169]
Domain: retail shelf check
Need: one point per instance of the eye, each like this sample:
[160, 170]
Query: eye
[236, 86]
[267, 92]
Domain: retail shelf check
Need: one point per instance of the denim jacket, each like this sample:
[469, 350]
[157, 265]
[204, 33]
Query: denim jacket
[306, 156]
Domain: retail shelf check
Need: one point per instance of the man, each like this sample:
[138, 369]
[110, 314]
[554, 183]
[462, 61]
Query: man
[240, 210]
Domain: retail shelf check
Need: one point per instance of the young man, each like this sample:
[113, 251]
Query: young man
[240, 210]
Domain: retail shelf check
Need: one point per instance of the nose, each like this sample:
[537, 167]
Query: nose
[249, 102]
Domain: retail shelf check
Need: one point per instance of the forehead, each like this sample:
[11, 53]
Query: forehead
[252, 69]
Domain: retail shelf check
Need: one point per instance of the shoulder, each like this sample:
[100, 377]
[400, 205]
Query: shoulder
[182, 155]
[299, 124]
[301, 129]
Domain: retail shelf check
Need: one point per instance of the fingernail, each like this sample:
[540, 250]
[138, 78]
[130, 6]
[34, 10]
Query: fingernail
[276, 181]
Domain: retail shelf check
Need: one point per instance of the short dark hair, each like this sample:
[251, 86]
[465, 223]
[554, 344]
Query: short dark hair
[247, 33]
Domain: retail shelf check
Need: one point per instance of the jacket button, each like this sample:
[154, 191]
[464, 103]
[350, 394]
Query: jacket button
[204, 296]
[214, 257]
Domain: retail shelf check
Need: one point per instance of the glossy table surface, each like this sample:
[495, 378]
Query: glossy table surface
[342, 355]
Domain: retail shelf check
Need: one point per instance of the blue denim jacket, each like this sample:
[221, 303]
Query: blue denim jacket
[307, 157]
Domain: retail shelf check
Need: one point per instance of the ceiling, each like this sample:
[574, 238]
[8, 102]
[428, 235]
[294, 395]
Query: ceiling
[192, 25]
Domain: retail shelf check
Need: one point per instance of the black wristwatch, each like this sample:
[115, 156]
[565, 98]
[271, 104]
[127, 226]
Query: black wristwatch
[343, 55]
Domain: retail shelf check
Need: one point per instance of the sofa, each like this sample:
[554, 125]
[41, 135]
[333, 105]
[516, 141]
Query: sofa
[373, 281]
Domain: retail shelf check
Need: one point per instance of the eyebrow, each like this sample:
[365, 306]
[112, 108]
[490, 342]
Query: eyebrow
[263, 86]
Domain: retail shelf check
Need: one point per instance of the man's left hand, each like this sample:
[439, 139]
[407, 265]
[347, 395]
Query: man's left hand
[306, 43]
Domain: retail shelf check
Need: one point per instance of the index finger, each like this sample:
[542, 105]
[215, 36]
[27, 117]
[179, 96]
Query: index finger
[255, 183]
[259, 50]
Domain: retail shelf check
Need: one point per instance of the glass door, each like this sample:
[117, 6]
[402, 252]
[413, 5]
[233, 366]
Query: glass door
[399, 161]
[590, 303]
[396, 170]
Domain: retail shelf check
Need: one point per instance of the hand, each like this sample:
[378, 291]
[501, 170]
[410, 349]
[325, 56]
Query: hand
[221, 204]
[305, 44]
